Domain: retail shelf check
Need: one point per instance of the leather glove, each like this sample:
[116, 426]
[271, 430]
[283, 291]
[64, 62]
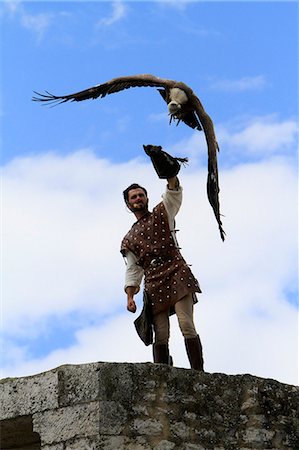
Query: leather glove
[164, 164]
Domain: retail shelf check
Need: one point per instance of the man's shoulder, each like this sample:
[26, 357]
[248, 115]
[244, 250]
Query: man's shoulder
[128, 234]
[125, 243]
[159, 207]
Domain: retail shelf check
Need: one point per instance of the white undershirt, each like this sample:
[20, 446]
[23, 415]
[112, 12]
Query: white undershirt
[172, 200]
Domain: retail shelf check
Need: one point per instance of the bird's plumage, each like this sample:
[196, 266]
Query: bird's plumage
[183, 106]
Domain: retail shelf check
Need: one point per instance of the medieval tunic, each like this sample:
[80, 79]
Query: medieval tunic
[167, 277]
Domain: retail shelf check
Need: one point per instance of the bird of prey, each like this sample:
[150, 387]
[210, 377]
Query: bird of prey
[183, 105]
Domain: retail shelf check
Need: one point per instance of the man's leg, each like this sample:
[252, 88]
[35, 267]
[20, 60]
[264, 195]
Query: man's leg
[160, 346]
[184, 312]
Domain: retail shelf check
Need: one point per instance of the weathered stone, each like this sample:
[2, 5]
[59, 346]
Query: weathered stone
[78, 383]
[82, 444]
[112, 418]
[164, 445]
[54, 447]
[150, 427]
[193, 447]
[114, 406]
[256, 436]
[123, 443]
[24, 396]
[180, 430]
[62, 424]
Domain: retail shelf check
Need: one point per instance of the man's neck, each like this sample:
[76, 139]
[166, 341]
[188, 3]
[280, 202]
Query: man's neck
[140, 214]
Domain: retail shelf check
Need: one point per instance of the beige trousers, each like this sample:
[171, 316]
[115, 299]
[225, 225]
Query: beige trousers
[184, 312]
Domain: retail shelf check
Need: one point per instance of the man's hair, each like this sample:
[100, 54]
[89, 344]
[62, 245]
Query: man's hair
[132, 186]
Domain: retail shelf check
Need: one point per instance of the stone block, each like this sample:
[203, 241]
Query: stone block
[24, 396]
[112, 418]
[65, 423]
[78, 383]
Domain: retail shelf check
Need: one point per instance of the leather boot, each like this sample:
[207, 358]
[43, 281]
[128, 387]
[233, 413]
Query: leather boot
[161, 354]
[194, 352]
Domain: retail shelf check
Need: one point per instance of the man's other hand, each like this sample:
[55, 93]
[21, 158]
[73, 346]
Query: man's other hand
[131, 306]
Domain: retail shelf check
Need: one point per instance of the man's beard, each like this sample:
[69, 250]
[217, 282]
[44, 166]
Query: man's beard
[139, 207]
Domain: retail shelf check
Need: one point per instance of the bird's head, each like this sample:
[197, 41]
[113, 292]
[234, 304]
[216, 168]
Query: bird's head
[173, 107]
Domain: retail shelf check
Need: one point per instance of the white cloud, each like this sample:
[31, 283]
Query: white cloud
[37, 23]
[118, 13]
[116, 340]
[63, 221]
[245, 140]
[261, 137]
[242, 84]
[12, 7]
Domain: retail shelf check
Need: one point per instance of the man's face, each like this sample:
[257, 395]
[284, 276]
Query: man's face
[137, 200]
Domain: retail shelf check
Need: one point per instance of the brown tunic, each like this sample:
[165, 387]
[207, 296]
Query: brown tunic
[167, 276]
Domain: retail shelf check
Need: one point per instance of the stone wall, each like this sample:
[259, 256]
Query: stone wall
[115, 406]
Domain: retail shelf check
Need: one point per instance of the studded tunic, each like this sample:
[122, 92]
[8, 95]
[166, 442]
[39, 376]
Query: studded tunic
[167, 277]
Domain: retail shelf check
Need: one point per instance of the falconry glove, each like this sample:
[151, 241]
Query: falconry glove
[164, 164]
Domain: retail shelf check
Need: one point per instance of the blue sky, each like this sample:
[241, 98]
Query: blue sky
[64, 169]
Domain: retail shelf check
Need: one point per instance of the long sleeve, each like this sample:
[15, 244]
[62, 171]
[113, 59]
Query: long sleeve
[172, 200]
[134, 273]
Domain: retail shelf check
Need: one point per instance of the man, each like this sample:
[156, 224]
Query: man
[152, 251]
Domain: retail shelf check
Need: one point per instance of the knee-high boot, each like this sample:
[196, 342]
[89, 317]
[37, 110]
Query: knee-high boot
[161, 354]
[194, 352]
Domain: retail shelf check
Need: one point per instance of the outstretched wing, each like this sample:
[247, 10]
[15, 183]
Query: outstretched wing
[101, 90]
[212, 181]
[213, 190]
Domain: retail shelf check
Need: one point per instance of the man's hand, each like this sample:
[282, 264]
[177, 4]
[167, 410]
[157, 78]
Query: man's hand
[131, 291]
[173, 183]
[131, 306]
